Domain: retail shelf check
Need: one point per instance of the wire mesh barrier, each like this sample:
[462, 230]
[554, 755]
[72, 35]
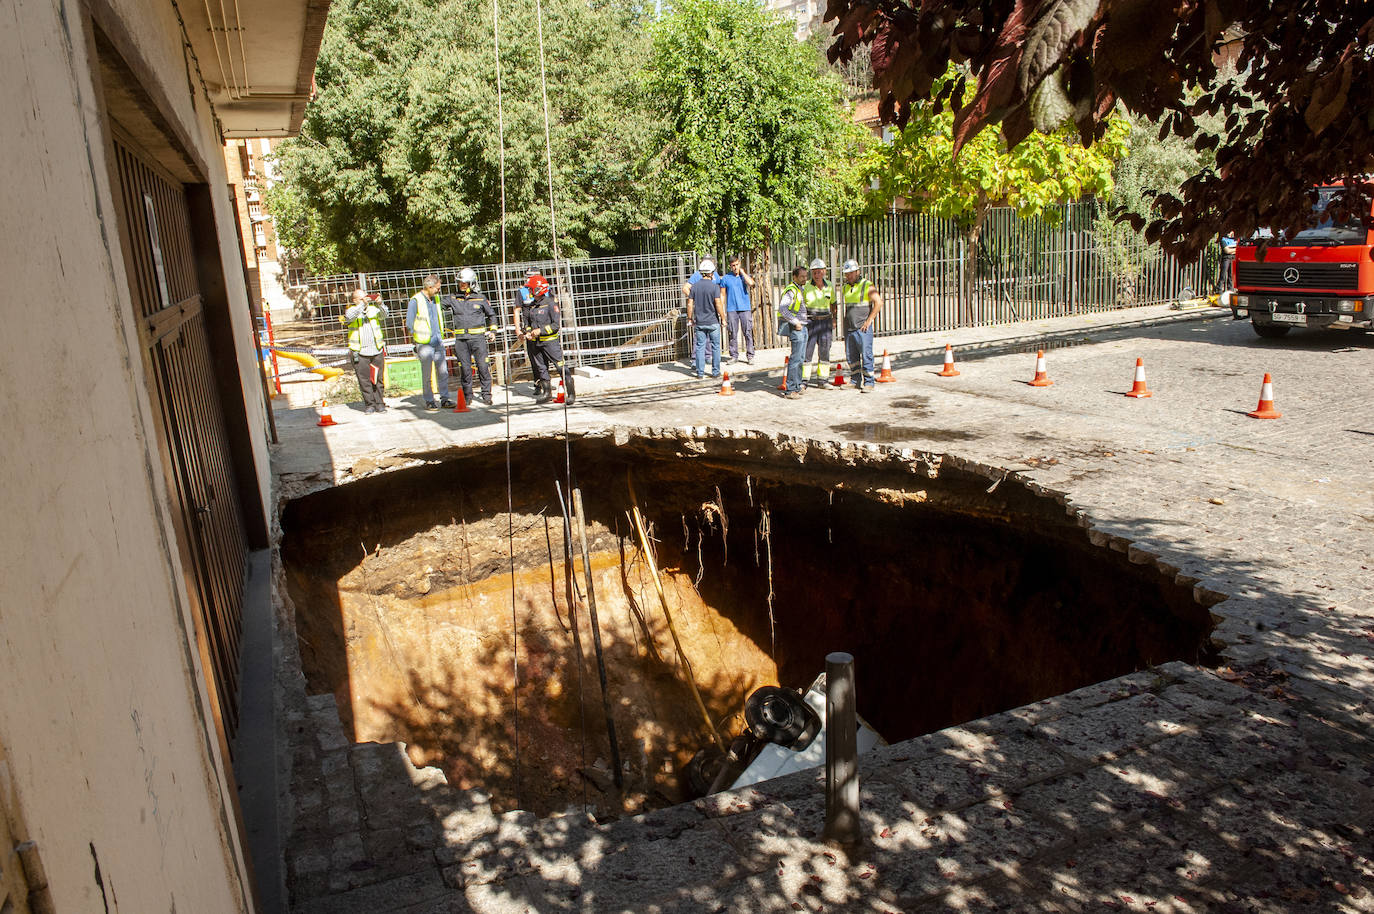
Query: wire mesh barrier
[616, 311]
[628, 309]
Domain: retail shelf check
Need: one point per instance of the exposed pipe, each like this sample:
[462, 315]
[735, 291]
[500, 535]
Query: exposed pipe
[596, 638]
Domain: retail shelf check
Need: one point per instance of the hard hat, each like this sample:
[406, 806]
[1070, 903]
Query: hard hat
[467, 275]
[817, 264]
[850, 266]
[537, 284]
[706, 266]
[532, 271]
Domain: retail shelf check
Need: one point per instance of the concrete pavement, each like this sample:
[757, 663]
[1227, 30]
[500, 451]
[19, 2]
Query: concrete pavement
[1246, 788]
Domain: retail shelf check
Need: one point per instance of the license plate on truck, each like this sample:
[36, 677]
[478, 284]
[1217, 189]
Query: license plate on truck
[1279, 318]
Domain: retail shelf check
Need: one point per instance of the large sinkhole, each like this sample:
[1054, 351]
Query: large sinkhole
[959, 594]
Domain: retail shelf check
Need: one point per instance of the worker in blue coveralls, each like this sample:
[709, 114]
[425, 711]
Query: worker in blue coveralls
[520, 320]
[474, 327]
[544, 324]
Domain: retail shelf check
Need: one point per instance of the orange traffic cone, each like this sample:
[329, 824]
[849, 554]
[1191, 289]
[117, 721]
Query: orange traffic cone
[785, 361]
[839, 374]
[727, 389]
[326, 415]
[885, 375]
[1041, 379]
[1266, 410]
[948, 371]
[562, 394]
[462, 406]
[1138, 389]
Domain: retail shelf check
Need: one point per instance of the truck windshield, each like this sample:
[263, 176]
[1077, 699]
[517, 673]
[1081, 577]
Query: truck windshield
[1326, 232]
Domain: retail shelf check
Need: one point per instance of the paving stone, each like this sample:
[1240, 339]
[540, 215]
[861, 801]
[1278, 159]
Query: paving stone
[1113, 795]
[1113, 727]
[981, 768]
[409, 890]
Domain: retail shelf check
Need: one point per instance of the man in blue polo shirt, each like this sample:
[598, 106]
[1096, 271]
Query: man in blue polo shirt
[739, 311]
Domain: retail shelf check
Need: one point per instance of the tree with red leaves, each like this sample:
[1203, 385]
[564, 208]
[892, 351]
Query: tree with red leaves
[1297, 114]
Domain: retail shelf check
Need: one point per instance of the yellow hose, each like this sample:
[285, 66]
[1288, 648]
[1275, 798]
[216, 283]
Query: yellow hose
[309, 361]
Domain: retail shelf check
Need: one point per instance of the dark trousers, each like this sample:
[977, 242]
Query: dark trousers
[530, 347]
[371, 372]
[471, 351]
[550, 355]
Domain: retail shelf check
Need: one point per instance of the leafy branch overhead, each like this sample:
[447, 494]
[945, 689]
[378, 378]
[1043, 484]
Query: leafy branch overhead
[1293, 118]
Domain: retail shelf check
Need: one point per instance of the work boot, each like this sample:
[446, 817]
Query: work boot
[486, 398]
[572, 391]
[447, 404]
[431, 405]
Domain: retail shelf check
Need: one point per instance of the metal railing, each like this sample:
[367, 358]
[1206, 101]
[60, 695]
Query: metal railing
[627, 309]
[616, 311]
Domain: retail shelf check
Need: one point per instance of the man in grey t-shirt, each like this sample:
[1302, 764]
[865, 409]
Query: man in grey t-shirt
[707, 308]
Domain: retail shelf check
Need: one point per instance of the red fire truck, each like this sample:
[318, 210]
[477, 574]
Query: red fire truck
[1321, 278]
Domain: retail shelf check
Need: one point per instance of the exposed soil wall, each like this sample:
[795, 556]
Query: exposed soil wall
[959, 595]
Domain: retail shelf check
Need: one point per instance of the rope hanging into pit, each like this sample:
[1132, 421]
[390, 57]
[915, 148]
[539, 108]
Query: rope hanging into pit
[510, 489]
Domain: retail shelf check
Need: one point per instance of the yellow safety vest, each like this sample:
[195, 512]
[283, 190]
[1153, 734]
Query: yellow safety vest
[796, 306]
[355, 328]
[857, 293]
[421, 332]
[816, 299]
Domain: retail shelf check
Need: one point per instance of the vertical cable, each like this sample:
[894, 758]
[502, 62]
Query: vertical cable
[510, 497]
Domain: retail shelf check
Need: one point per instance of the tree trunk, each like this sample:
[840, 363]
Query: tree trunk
[971, 236]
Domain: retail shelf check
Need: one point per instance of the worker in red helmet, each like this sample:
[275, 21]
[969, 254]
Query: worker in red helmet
[543, 323]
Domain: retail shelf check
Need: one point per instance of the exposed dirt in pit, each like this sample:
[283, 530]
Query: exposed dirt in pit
[422, 651]
[957, 596]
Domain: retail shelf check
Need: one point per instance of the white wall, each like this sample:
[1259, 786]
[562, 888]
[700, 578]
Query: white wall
[102, 702]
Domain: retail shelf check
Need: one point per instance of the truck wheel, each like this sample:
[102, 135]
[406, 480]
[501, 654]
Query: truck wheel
[701, 771]
[781, 716]
[1271, 331]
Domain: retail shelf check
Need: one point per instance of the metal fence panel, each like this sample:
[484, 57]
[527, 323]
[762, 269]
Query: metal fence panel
[628, 309]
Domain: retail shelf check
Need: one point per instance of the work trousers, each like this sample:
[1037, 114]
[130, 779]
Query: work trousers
[471, 351]
[796, 337]
[371, 373]
[530, 346]
[741, 323]
[548, 355]
[431, 355]
[858, 348]
[820, 334]
[707, 340]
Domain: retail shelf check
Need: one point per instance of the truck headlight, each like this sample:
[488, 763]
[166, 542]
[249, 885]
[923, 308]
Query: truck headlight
[1241, 301]
[1347, 305]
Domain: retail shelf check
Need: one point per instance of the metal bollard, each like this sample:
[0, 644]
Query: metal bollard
[841, 751]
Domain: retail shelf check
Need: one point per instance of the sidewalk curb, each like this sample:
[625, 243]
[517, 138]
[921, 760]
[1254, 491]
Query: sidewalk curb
[909, 357]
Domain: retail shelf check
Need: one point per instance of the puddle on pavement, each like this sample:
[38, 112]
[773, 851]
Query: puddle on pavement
[887, 434]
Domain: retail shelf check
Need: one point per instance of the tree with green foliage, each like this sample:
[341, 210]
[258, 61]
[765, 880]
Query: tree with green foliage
[753, 138]
[398, 160]
[1043, 170]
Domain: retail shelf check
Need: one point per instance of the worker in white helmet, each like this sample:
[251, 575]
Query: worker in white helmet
[474, 327]
[819, 297]
[862, 303]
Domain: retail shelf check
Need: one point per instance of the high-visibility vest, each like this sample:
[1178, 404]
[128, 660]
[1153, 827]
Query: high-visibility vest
[857, 293]
[355, 328]
[796, 306]
[421, 332]
[816, 299]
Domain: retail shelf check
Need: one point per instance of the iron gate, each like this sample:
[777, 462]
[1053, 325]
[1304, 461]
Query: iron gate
[160, 255]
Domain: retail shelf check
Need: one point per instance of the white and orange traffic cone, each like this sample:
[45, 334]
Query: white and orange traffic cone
[1138, 388]
[948, 371]
[562, 394]
[1041, 379]
[839, 375]
[885, 374]
[1266, 410]
[326, 415]
[785, 361]
[727, 388]
[462, 406]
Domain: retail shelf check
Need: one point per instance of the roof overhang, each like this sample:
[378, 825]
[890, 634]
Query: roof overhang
[258, 60]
